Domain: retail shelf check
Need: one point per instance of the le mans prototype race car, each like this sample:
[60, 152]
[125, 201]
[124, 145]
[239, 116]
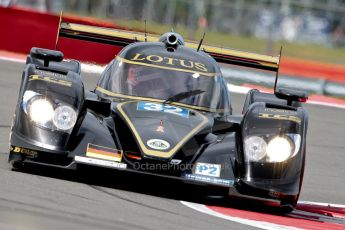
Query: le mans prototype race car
[161, 107]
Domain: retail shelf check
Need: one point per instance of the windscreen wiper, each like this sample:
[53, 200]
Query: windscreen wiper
[183, 95]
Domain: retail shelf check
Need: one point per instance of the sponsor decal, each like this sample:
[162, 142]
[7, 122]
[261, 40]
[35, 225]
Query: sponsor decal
[158, 144]
[101, 152]
[160, 128]
[50, 74]
[175, 161]
[157, 107]
[212, 170]
[169, 61]
[51, 80]
[28, 152]
[274, 194]
[211, 180]
[280, 117]
[99, 162]
[270, 110]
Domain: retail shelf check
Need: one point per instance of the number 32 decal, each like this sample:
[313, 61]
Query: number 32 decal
[156, 107]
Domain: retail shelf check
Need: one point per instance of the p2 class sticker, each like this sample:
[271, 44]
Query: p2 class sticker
[158, 144]
[157, 107]
[206, 169]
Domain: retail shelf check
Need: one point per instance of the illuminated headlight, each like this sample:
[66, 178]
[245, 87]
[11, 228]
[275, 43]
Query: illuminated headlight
[41, 111]
[254, 148]
[44, 112]
[64, 117]
[271, 148]
[279, 149]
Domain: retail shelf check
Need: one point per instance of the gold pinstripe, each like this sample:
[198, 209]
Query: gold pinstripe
[156, 153]
[112, 94]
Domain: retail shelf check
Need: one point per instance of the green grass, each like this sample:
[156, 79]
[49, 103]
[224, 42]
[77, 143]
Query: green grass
[307, 51]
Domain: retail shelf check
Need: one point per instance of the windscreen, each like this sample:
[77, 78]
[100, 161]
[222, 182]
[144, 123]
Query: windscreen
[160, 82]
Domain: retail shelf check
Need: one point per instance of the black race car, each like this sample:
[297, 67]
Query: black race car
[161, 107]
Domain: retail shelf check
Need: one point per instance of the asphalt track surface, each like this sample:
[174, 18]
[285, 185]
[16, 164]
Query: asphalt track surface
[54, 199]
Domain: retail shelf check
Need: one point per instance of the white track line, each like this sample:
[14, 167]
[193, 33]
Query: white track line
[97, 69]
[85, 67]
[244, 90]
[18, 60]
[92, 68]
[327, 104]
[322, 204]
[258, 224]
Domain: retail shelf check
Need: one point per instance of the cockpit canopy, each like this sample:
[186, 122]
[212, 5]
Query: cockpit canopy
[147, 71]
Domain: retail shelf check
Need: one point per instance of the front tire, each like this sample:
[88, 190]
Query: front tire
[17, 166]
[16, 160]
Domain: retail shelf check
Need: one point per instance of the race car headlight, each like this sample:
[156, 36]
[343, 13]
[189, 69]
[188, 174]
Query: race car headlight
[254, 148]
[46, 113]
[64, 117]
[279, 149]
[271, 148]
[41, 111]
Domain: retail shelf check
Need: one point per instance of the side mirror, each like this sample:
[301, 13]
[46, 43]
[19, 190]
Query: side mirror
[291, 95]
[46, 55]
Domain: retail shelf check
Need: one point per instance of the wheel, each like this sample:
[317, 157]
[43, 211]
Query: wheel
[17, 165]
[16, 160]
[288, 205]
[286, 209]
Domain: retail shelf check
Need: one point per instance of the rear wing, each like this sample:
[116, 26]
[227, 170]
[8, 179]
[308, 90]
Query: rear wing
[123, 38]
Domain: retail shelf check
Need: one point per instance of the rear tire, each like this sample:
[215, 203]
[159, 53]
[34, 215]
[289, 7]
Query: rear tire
[286, 209]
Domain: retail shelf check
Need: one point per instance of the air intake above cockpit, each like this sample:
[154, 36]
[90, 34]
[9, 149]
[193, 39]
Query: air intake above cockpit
[172, 40]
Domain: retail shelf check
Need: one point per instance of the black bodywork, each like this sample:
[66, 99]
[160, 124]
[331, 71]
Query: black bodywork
[209, 138]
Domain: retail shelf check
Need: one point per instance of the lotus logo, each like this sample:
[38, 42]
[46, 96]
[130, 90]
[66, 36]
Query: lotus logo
[158, 144]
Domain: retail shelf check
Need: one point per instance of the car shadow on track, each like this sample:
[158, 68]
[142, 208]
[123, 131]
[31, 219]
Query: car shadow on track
[150, 185]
